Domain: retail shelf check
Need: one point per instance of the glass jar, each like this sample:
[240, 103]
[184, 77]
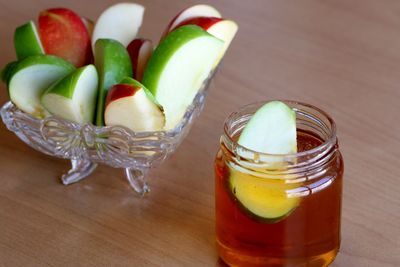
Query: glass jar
[279, 210]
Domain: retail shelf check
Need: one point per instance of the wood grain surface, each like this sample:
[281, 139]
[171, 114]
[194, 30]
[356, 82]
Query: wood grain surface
[340, 55]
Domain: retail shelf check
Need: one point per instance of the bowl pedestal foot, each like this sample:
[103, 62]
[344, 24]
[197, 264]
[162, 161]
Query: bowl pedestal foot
[81, 168]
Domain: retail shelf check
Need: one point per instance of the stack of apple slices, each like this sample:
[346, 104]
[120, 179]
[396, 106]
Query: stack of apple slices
[102, 73]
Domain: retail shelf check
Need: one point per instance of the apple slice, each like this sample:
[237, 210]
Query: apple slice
[223, 29]
[178, 68]
[131, 105]
[263, 198]
[74, 96]
[89, 25]
[113, 64]
[31, 76]
[272, 129]
[63, 34]
[120, 22]
[140, 51]
[7, 70]
[27, 41]
[191, 12]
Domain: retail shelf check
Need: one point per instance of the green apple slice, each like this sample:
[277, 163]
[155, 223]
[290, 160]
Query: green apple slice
[113, 64]
[31, 76]
[272, 130]
[261, 197]
[178, 67]
[7, 70]
[27, 41]
[74, 96]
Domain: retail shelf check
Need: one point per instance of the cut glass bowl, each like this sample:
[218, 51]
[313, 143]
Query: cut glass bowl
[87, 145]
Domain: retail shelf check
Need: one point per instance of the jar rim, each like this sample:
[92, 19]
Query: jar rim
[326, 144]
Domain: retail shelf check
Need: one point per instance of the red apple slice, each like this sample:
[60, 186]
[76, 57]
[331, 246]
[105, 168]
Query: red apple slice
[191, 12]
[131, 105]
[63, 34]
[120, 22]
[223, 29]
[139, 51]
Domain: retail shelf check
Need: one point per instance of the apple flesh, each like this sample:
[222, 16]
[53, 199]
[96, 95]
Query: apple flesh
[113, 64]
[27, 41]
[223, 29]
[272, 130]
[30, 77]
[191, 12]
[89, 25]
[120, 22]
[63, 34]
[130, 104]
[74, 96]
[139, 51]
[178, 67]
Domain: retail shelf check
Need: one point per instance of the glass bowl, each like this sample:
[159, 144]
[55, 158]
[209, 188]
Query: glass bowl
[88, 145]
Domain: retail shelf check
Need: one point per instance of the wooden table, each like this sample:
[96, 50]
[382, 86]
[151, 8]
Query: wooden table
[343, 56]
